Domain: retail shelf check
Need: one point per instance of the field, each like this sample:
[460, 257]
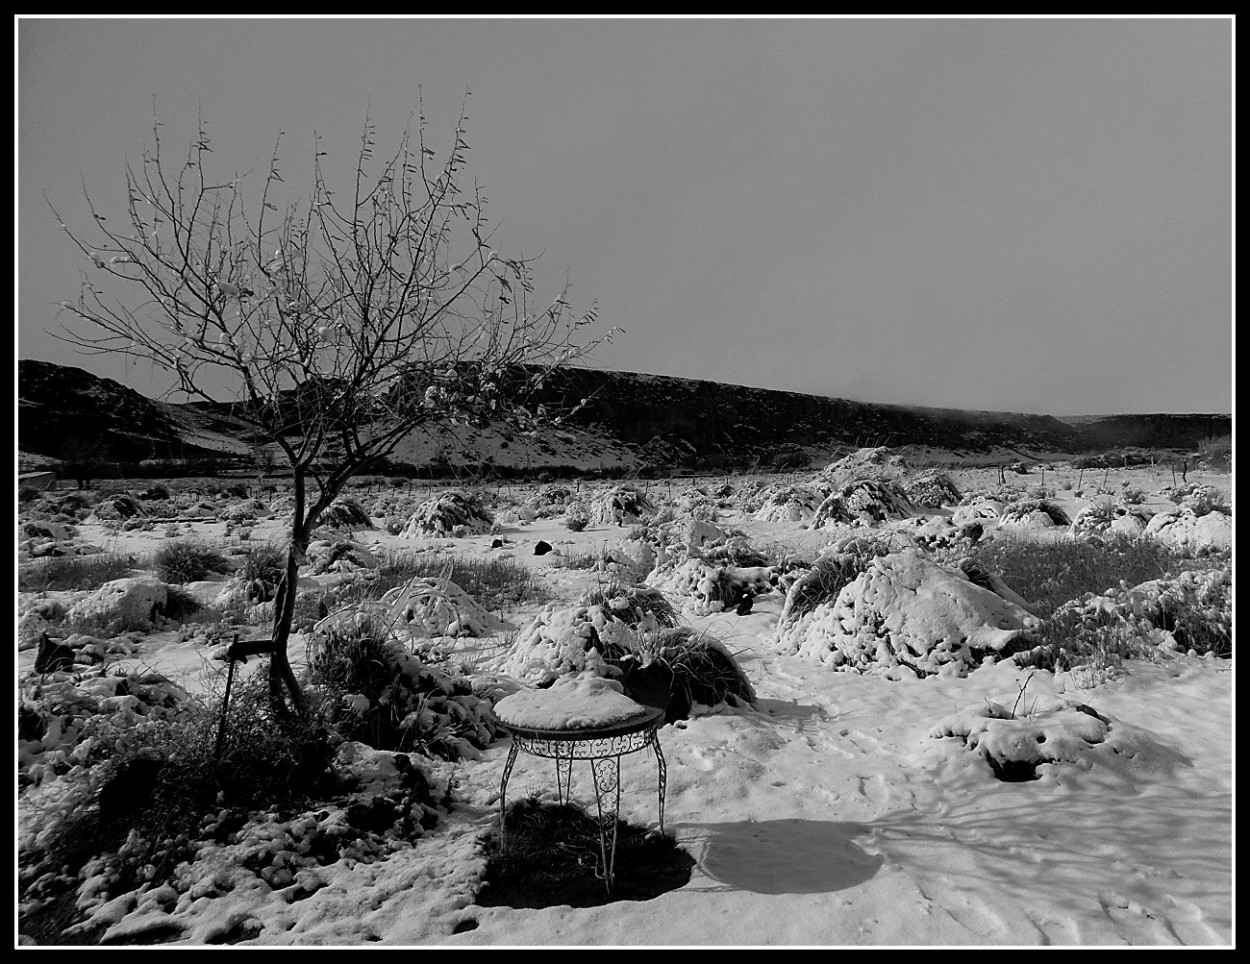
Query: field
[912, 707]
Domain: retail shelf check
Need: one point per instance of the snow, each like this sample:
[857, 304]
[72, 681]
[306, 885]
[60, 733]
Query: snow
[842, 810]
[570, 703]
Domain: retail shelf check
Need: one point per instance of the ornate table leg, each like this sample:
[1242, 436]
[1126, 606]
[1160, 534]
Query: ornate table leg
[608, 798]
[513, 749]
[564, 775]
[663, 775]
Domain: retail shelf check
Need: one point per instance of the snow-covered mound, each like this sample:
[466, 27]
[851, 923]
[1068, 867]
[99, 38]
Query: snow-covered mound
[905, 610]
[931, 490]
[1182, 528]
[1034, 514]
[566, 641]
[128, 600]
[451, 514]
[1106, 517]
[340, 555]
[713, 588]
[619, 505]
[865, 463]
[116, 507]
[981, 511]
[344, 513]
[866, 501]
[1043, 736]
[788, 503]
[433, 607]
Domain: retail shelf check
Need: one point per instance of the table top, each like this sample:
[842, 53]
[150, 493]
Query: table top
[649, 717]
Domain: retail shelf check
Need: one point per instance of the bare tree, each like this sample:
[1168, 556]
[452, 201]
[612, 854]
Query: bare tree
[340, 322]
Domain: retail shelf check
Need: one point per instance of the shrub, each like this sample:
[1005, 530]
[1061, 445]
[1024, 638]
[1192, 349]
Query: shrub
[145, 786]
[61, 573]
[676, 667]
[836, 568]
[1097, 632]
[632, 605]
[264, 567]
[382, 696]
[346, 514]
[1216, 453]
[452, 514]
[1020, 510]
[1048, 574]
[1204, 499]
[495, 583]
[931, 489]
[187, 561]
[179, 603]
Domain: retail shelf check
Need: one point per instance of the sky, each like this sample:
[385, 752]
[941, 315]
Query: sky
[1029, 215]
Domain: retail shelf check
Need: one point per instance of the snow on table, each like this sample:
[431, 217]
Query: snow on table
[570, 703]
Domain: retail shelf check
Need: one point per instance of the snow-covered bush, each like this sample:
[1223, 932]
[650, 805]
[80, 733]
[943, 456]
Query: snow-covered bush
[380, 694]
[619, 505]
[931, 490]
[566, 641]
[877, 463]
[451, 514]
[341, 555]
[713, 588]
[906, 611]
[344, 513]
[864, 501]
[788, 503]
[1034, 513]
[1190, 612]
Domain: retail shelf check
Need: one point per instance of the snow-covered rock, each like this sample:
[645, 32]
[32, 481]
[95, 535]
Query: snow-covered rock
[129, 600]
[983, 511]
[1181, 528]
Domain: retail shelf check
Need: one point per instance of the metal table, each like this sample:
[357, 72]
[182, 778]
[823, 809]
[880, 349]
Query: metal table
[603, 747]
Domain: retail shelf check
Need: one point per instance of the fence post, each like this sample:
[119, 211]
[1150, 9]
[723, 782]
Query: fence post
[225, 701]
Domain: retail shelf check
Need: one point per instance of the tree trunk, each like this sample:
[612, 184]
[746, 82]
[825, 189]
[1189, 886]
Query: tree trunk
[280, 672]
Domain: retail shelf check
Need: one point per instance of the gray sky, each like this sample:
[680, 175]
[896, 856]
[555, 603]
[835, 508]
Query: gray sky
[1016, 215]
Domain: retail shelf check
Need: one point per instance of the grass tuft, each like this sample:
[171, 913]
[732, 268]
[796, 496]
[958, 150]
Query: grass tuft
[188, 561]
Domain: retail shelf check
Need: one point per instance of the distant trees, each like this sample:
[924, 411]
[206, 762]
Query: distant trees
[82, 459]
[340, 321]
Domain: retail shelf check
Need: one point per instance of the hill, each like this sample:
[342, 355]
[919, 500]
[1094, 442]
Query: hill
[631, 422]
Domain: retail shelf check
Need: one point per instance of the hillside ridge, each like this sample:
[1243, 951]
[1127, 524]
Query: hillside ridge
[629, 419]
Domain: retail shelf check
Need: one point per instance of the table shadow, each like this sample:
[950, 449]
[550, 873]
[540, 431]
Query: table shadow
[792, 856]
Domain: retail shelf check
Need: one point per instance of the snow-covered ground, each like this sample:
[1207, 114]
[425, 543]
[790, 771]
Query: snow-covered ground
[843, 809]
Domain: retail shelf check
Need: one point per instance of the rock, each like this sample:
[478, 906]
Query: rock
[130, 600]
[541, 548]
[53, 656]
[44, 531]
[1182, 528]
[704, 533]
